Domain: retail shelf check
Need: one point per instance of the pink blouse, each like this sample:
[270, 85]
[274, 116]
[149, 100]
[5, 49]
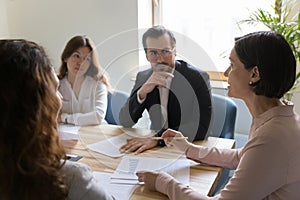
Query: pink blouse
[268, 167]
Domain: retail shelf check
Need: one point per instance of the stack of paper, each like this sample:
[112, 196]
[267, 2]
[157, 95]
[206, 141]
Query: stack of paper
[118, 191]
[129, 165]
[111, 146]
[68, 132]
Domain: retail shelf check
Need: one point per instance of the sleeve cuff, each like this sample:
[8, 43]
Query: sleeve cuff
[162, 182]
[192, 152]
[138, 97]
[68, 119]
[64, 118]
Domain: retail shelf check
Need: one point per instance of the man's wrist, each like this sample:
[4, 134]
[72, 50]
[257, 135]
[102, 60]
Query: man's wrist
[140, 100]
[161, 143]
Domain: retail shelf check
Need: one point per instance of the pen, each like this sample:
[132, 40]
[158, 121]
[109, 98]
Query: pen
[176, 138]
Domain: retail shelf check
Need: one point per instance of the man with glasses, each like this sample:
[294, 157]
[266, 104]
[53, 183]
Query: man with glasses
[176, 94]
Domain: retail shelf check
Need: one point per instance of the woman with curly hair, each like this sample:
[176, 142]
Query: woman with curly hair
[33, 162]
[82, 83]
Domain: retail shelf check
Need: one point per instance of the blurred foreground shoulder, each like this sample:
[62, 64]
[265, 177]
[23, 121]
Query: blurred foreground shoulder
[81, 182]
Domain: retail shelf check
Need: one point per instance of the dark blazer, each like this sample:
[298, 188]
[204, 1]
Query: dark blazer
[189, 104]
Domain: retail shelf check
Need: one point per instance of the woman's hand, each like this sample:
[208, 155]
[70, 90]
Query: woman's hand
[149, 178]
[180, 144]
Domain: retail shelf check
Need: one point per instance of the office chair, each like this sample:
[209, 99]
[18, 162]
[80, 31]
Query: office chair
[115, 100]
[223, 124]
[223, 116]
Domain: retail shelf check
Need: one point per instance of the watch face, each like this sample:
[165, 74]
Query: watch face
[161, 143]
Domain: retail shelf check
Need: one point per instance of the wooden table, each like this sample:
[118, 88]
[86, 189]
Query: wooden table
[203, 178]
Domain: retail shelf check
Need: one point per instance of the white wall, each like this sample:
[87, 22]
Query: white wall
[111, 24]
[3, 20]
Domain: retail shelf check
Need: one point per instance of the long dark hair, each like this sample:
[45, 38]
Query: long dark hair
[95, 70]
[30, 152]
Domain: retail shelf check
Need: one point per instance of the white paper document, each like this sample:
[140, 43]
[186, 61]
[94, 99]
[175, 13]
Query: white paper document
[129, 165]
[111, 146]
[118, 191]
[68, 132]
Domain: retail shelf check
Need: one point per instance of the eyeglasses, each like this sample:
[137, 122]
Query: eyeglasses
[153, 54]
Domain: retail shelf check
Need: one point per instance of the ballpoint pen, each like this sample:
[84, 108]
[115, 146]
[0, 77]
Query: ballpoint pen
[176, 138]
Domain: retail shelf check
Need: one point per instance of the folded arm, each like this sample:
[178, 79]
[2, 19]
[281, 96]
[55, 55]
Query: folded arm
[94, 117]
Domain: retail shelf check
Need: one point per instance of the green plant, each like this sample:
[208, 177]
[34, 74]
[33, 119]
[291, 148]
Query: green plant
[281, 22]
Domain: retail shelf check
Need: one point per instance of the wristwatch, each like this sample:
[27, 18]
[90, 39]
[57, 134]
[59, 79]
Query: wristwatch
[161, 143]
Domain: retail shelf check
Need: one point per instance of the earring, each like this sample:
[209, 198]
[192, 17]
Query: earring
[250, 83]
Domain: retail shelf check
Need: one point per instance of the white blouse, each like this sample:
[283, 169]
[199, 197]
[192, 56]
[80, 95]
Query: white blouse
[90, 106]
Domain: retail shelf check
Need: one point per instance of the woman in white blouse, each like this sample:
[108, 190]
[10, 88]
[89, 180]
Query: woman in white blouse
[82, 84]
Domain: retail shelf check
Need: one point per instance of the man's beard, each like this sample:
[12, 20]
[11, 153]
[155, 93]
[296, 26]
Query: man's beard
[162, 67]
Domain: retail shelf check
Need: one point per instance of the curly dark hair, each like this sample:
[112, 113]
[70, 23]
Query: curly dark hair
[30, 151]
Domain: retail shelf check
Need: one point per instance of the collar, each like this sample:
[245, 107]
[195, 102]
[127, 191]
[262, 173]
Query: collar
[283, 110]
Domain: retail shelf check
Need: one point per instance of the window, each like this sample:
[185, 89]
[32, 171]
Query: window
[209, 27]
